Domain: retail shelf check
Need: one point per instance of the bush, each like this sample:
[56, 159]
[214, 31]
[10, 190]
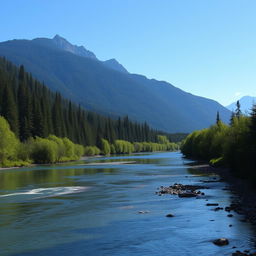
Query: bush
[91, 151]
[217, 162]
[44, 151]
[9, 144]
[105, 147]
[61, 148]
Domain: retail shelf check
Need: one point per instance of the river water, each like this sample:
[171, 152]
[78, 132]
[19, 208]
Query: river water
[80, 209]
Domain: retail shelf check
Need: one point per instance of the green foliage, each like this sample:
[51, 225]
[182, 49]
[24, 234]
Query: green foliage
[233, 145]
[105, 147]
[61, 148]
[53, 150]
[123, 147]
[33, 110]
[161, 139]
[112, 149]
[207, 143]
[91, 151]
[8, 143]
[217, 162]
[43, 151]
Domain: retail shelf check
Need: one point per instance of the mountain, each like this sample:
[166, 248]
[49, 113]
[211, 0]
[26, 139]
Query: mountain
[63, 44]
[114, 64]
[101, 87]
[246, 103]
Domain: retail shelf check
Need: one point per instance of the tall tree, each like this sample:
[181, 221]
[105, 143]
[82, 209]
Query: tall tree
[9, 110]
[218, 118]
[238, 111]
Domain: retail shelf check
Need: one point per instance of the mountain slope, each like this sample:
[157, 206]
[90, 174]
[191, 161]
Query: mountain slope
[246, 103]
[88, 81]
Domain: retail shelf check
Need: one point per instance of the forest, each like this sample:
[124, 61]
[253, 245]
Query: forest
[232, 146]
[40, 126]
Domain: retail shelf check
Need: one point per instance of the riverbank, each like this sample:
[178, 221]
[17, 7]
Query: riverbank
[245, 203]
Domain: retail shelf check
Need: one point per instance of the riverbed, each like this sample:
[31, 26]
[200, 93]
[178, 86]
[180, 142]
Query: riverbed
[108, 206]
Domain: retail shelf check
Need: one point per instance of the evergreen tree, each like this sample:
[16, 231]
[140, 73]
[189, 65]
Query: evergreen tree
[9, 110]
[33, 110]
[218, 118]
[238, 109]
[25, 109]
[231, 121]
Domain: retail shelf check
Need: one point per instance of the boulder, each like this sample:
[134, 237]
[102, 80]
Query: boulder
[221, 241]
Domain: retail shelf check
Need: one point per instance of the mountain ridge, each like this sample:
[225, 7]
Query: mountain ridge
[96, 87]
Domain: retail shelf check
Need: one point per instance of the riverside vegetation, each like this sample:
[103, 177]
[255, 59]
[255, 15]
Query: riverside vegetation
[232, 145]
[53, 149]
[39, 126]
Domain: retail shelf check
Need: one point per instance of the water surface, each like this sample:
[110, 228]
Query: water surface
[79, 209]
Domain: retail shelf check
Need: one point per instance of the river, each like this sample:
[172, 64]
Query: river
[93, 209]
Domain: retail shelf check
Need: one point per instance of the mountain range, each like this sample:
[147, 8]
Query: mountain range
[246, 103]
[108, 88]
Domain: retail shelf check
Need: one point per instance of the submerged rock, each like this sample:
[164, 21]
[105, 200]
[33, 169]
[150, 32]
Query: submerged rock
[221, 241]
[169, 215]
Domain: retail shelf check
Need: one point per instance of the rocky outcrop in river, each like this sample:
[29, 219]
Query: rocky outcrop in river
[182, 190]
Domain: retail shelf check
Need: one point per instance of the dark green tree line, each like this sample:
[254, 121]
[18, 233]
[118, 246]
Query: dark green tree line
[33, 110]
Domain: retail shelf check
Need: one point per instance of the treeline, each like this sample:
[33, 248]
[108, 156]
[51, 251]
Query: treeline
[32, 110]
[232, 145]
[35, 150]
[53, 149]
[126, 147]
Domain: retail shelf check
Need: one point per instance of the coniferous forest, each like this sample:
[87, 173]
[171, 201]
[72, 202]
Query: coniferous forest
[33, 112]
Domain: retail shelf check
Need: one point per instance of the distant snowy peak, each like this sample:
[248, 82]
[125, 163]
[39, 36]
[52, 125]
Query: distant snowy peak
[246, 104]
[114, 64]
[63, 44]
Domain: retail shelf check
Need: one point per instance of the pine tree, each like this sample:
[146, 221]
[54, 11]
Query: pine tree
[218, 118]
[25, 109]
[238, 111]
[9, 110]
[231, 121]
[38, 120]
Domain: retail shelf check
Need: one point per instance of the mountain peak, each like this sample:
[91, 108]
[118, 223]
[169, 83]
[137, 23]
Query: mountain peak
[65, 45]
[114, 64]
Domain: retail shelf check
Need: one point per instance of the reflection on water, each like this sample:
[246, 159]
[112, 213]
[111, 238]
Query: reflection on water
[14, 179]
[79, 209]
[199, 172]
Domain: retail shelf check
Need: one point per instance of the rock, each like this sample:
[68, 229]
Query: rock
[187, 195]
[221, 241]
[182, 190]
[227, 209]
[169, 215]
[212, 204]
[218, 209]
[230, 225]
[230, 215]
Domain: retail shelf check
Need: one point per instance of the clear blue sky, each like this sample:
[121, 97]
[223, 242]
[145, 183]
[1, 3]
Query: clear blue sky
[206, 47]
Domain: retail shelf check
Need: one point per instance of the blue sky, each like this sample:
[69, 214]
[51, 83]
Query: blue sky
[206, 47]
